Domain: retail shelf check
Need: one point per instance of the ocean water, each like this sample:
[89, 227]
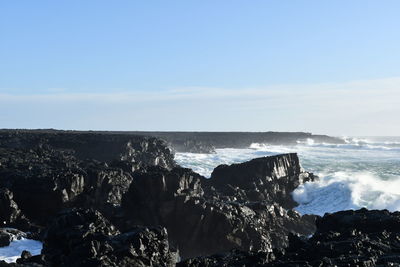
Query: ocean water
[12, 252]
[363, 172]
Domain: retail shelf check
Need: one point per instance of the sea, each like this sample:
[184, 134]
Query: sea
[363, 172]
[12, 252]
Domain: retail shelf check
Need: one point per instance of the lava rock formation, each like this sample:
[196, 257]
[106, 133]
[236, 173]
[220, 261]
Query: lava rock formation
[97, 199]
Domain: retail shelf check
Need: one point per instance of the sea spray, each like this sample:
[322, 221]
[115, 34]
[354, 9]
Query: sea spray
[12, 252]
[360, 173]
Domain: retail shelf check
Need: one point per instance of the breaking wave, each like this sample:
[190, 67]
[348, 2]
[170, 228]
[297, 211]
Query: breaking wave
[12, 252]
[347, 190]
[360, 172]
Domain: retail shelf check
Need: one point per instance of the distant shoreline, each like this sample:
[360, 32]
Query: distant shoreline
[202, 142]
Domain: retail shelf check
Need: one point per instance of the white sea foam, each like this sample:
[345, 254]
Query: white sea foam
[12, 252]
[363, 172]
[347, 190]
[204, 164]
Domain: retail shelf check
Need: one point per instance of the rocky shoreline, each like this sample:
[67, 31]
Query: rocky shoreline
[202, 142]
[111, 199]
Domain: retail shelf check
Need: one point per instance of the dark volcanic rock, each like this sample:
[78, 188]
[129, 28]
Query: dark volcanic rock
[25, 255]
[9, 211]
[202, 220]
[5, 239]
[153, 194]
[45, 173]
[104, 189]
[364, 238]
[86, 238]
[196, 142]
[363, 220]
[234, 258]
[137, 150]
[270, 179]
[9, 234]
[42, 180]
[350, 238]
[132, 180]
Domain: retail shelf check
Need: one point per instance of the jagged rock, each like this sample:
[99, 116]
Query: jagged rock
[365, 238]
[134, 181]
[25, 257]
[363, 220]
[204, 221]
[270, 179]
[48, 172]
[104, 189]
[350, 238]
[86, 238]
[28, 260]
[104, 147]
[9, 234]
[152, 195]
[42, 180]
[234, 258]
[9, 211]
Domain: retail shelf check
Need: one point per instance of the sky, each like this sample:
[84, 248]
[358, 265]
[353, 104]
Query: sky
[327, 67]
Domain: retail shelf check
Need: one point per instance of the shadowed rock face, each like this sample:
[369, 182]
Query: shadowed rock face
[136, 150]
[44, 173]
[234, 258]
[9, 211]
[270, 179]
[207, 216]
[347, 238]
[86, 238]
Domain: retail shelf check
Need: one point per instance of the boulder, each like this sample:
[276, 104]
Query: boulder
[5, 239]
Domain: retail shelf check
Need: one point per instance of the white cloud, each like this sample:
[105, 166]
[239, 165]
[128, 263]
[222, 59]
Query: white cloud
[351, 108]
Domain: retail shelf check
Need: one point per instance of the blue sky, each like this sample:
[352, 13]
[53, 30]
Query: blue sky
[321, 66]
